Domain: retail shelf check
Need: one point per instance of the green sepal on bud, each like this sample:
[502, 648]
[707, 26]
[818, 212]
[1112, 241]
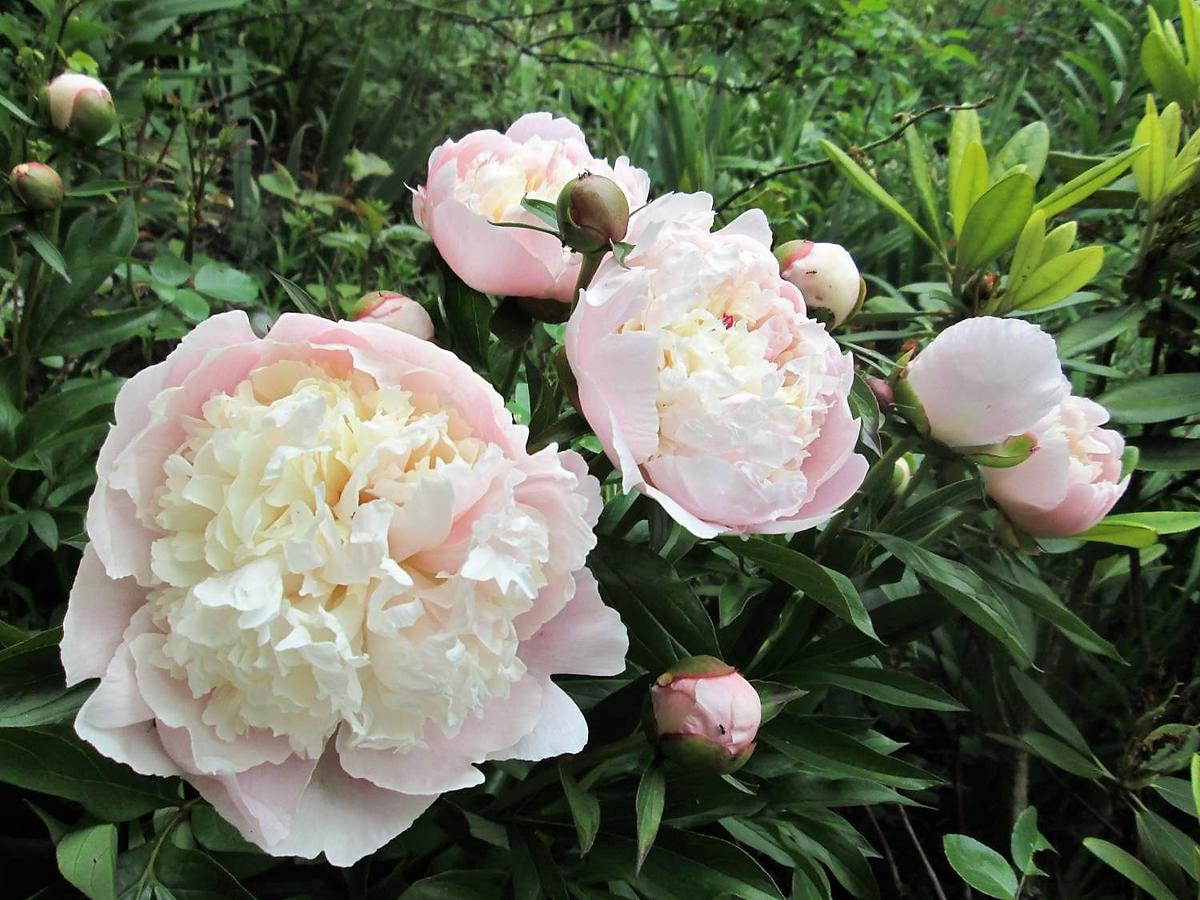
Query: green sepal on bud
[593, 213]
[702, 755]
[905, 400]
[1008, 453]
[695, 667]
[37, 186]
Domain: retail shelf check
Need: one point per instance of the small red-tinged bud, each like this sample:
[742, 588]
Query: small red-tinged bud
[593, 212]
[395, 311]
[884, 395]
[825, 274]
[706, 715]
[37, 186]
[80, 106]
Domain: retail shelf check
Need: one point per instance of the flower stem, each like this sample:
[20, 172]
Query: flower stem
[587, 270]
[881, 469]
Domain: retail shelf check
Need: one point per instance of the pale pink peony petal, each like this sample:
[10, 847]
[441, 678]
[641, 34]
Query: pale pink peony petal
[546, 126]
[98, 613]
[586, 638]
[986, 379]
[561, 729]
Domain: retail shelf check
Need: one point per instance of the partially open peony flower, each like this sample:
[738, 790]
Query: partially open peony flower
[986, 379]
[326, 579]
[826, 275]
[482, 178]
[707, 384]
[1073, 477]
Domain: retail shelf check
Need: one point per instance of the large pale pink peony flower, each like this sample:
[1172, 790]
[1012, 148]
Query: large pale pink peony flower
[1073, 477]
[326, 579]
[706, 382]
[482, 178]
[984, 380]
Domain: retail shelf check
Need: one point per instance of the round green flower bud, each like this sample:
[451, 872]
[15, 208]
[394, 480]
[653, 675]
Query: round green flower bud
[593, 212]
[37, 186]
[80, 106]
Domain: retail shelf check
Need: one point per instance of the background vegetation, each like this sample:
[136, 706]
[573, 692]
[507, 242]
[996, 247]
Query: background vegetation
[280, 137]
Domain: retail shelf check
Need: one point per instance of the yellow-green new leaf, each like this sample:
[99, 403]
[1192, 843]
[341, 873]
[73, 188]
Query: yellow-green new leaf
[994, 221]
[1184, 170]
[1059, 278]
[918, 165]
[1087, 183]
[969, 185]
[1058, 241]
[1028, 147]
[1150, 169]
[964, 128]
[1028, 254]
[869, 186]
[1189, 17]
[1166, 70]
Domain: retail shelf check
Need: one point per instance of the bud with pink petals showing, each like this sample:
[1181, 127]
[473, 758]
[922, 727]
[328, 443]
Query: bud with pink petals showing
[706, 715]
[825, 274]
[37, 186]
[593, 212]
[81, 106]
[395, 311]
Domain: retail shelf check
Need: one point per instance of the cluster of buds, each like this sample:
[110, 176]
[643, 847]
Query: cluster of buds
[706, 715]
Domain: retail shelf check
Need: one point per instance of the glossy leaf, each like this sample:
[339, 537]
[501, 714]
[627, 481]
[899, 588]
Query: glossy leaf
[1159, 398]
[969, 185]
[1058, 278]
[995, 221]
[1026, 841]
[651, 798]
[585, 810]
[88, 860]
[1084, 185]
[1130, 867]
[980, 866]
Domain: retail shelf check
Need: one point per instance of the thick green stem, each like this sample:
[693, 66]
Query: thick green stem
[881, 469]
[587, 271]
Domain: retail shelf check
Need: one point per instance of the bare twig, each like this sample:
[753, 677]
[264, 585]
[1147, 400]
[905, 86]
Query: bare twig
[907, 120]
[937, 885]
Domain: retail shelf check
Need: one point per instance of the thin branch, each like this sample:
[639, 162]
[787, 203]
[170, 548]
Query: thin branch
[937, 885]
[907, 120]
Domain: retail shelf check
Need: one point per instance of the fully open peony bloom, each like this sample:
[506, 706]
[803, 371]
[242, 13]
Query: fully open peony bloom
[1073, 477]
[705, 381]
[984, 380]
[482, 179]
[326, 579]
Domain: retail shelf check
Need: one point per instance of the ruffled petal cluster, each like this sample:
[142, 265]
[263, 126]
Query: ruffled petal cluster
[326, 580]
[706, 381]
[481, 179]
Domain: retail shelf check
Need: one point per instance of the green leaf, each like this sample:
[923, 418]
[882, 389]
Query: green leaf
[834, 754]
[666, 620]
[1096, 329]
[963, 589]
[1058, 278]
[303, 300]
[1028, 840]
[473, 884]
[1058, 241]
[692, 863]
[53, 761]
[88, 860]
[1083, 186]
[585, 810]
[544, 210]
[1130, 867]
[1048, 711]
[1166, 70]
[1028, 253]
[96, 332]
[366, 165]
[32, 688]
[969, 185]
[15, 110]
[1043, 601]
[339, 131]
[869, 186]
[896, 688]
[1150, 168]
[980, 866]
[1029, 147]
[831, 589]
[56, 411]
[1167, 454]
[1159, 398]
[468, 315]
[1159, 521]
[280, 183]
[964, 129]
[651, 797]
[222, 282]
[994, 221]
[1059, 754]
[1135, 536]
[49, 253]
[918, 166]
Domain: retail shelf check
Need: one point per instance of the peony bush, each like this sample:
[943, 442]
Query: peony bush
[680, 526]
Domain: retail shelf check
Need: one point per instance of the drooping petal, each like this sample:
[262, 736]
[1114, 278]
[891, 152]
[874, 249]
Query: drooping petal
[98, 612]
[586, 638]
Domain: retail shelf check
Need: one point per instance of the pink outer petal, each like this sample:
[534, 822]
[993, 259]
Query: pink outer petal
[686, 210]
[546, 126]
[1083, 506]
[751, 224]
[346, 818]
[985, 379]
[98, 612]
[260, 802]
[561, 729]
[822, 504]
[497, 260]
[117, 722]
[446, 764]
[1039, 483]
[586, 638]
[718, 491]
[733, 703]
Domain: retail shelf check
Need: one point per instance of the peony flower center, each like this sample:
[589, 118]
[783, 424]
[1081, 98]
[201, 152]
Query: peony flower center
[494, 186]
[318, 570]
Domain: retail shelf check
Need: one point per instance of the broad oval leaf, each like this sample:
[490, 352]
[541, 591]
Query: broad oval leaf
[994, 221]
[88, 860]
[1058, 278]
[1159, 398]
[1028, 147]
[980, 866]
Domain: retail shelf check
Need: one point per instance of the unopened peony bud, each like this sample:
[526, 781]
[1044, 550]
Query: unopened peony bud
[37, 186]
[901, 475]
[593, 212]
[706, 715]
[395, 311]
[884, 395]
[81, 106]
[825, 275]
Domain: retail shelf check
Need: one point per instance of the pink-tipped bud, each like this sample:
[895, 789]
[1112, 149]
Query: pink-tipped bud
[80, 106]
[706, 715]
[37, 186]
[395, 311]
[825, 275]
[593, 212]
[884, 395]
